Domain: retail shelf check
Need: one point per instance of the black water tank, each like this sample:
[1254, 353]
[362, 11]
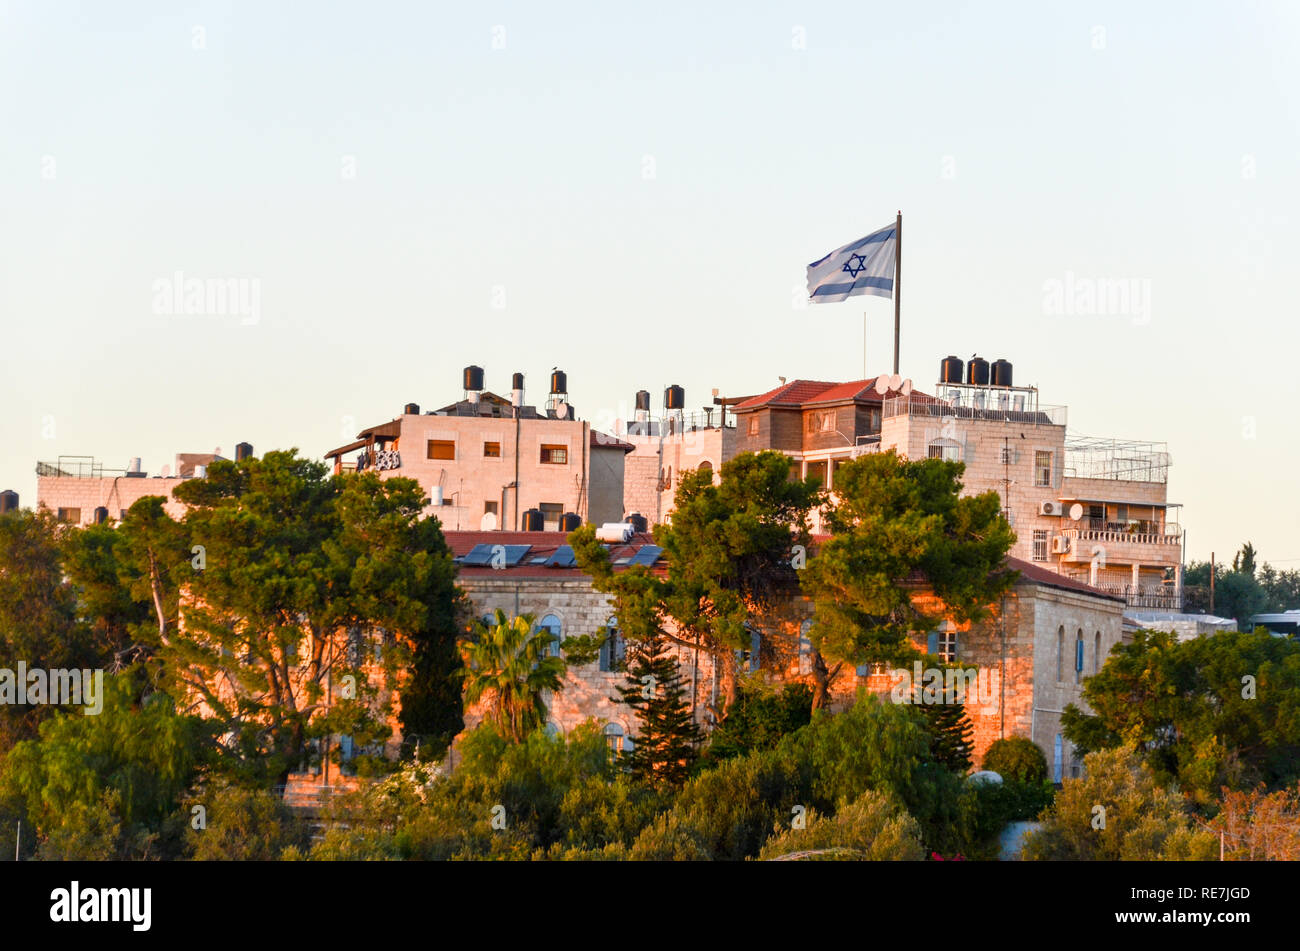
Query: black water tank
[533, 520]
[977, 371]
[243, 451]
[559, 382]
[674, 397]
[950, 370]
[411, 409]
[517, 381]
[101, 515]
[643, 400]
[638, 522]
[1001, 372]
[8, 501]
[473, 378]
[570, 522]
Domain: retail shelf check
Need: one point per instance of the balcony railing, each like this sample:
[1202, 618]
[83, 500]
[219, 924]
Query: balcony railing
[1121, 537]
[1159, 597]
[931, 407]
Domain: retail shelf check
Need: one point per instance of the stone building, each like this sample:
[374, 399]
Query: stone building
[81, 491]
[485, 460]
[1032, 652]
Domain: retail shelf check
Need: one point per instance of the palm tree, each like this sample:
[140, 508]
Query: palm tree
[507, 662]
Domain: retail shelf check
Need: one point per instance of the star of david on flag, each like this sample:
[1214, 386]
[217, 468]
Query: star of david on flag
[864, 267]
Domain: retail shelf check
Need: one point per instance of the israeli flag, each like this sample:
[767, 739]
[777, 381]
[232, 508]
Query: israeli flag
[864, 267]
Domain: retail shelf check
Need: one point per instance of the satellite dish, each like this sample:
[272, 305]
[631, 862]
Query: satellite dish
[907, 388]
[882, 382]
[895, 381]
[561, 410]
[1076, 511]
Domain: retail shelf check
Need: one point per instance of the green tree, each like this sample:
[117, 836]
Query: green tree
[113, 778]
[898, 526]
[1117, 812]
[667, 736]
[951, 734]
[1016, 758]
[729, 550]
[1214, 711]
[508, 663]
[240, 825]
[40, 622]
[759, 719]
[872, 828]
[311, 585]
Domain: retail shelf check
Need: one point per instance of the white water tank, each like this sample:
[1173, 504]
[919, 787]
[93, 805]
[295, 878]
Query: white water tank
[435, 495]
[618, 532]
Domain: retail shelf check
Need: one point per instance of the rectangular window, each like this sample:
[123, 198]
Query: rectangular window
[492, 450]
[948, 646]
[817, 470]
[873, 421]
[551, 512]
[441, 449]
[1040, 545]
[753, 425]
[555, 455]
[490, 508]
[1042, 468]
[71, 516]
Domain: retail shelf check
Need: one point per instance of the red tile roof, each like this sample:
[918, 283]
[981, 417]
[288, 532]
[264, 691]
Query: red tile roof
[812, 392]
[1045, 576]
[601, 440]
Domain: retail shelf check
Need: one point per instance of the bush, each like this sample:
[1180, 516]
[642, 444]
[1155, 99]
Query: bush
[759, 719]
[1016, 759]
[874, 827]
[1118, 812]
[242, 825]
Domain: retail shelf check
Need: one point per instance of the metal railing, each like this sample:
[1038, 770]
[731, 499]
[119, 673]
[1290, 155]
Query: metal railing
[1160, 597]
[930, 407]
[76, 467]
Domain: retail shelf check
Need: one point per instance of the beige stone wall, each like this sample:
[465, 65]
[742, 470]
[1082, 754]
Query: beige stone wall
[472, 479]
[116, 493]
[650, 489]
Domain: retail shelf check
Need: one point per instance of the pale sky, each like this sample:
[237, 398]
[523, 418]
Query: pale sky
[631, 192]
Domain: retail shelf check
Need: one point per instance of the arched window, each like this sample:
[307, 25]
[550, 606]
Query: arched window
[707, 466]
[1060, 654]
[1096, 652]
[1058, 758]
[551, 623]
[612, 650]
[614, 738]
[1078, 657]
[805, 648]
[553, 730]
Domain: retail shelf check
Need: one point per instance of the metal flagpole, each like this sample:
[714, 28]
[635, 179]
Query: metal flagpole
[898, 278]
[864, 345]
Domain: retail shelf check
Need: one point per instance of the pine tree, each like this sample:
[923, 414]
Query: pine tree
[667, 736]
[951, 734]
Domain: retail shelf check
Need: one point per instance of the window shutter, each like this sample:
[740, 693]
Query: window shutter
[1078, 655]
[755, 643]
[932, 643]
[605, 650]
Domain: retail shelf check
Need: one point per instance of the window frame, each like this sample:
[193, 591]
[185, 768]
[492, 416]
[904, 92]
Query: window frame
[440, 443]
[549, 452]
[1038, 471]
[491, 443]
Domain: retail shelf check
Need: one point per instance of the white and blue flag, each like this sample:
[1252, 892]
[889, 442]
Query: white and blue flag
[864, 267]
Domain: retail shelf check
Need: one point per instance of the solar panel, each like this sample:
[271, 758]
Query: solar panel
[563, 558]
[515, 554]
[481, 555]
[646, 555]
[478, 555]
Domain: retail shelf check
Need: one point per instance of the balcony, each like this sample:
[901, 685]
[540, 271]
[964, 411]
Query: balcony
[1113, 533]
[930, 407]
[1159, 597]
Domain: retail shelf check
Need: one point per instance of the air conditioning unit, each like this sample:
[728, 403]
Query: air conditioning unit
[1051, 507]
[1060, 545]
